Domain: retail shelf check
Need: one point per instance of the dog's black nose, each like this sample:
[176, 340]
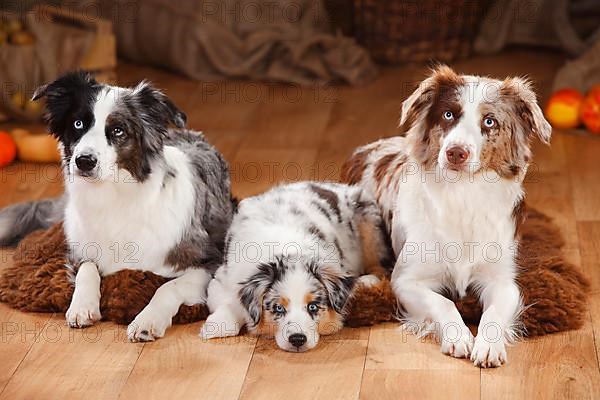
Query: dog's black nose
[457, 155]
[86, 162]
[297, 339]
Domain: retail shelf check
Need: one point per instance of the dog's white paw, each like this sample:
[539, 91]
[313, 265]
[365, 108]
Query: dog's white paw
[368, 280]
[82, 313]
[458, 344]
[488, 354]
[220, 324]
[148, 325]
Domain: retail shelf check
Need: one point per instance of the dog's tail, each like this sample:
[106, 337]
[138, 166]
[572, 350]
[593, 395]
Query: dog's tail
[18, 220]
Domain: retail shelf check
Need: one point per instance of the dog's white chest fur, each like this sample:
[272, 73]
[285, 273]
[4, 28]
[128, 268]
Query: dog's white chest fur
[452, 227]
[131, 225]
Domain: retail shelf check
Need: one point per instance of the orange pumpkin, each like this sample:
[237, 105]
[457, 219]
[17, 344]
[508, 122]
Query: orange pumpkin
[8, 149]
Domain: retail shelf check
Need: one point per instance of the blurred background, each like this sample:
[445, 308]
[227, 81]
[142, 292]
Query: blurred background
[293, 83]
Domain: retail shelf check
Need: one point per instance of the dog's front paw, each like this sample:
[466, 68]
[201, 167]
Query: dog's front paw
[148, 325]
[82, 313]
[488, 354]
[220, 324]
[459, 345]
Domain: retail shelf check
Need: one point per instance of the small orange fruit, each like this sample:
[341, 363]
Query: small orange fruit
[590, 110]
[563, 109]
[8, 149]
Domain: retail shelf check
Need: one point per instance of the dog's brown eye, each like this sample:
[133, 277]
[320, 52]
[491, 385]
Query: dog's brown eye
[448, 116]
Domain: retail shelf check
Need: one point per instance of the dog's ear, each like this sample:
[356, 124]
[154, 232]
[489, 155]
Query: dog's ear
[416, 106]
[159, 106]
[64, 85]
[254, 288]
[61, 94]
[529, 113]
[338, 287]
[40, 92]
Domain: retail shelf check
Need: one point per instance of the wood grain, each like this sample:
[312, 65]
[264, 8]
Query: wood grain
[584, 175]
[182, 366]
[557, 366]
[69, 363]
[589, 242]
[255, 171]
[330, 371]
[18, 334]
[401, 365]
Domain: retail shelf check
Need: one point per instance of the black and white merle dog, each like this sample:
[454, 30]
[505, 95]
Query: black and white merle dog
[139, 195]
[292, 258]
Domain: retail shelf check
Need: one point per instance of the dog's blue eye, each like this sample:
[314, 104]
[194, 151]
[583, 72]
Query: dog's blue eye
[313, 307]
[489, 122]
[448, 115]
[78, 124]
[279, 309]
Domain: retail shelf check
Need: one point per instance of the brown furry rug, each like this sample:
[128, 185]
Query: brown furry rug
[554, 289]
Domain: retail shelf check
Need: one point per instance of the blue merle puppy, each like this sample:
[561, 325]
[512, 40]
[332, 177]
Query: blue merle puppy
[292, 259]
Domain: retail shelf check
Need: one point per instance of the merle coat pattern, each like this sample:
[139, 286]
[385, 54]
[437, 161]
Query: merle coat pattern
[141, 192]
[293, 256]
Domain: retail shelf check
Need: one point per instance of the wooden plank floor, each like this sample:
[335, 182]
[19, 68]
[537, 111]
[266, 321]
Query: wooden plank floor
[273, 133]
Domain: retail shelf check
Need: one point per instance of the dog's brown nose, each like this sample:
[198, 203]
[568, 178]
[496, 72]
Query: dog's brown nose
[457, 155]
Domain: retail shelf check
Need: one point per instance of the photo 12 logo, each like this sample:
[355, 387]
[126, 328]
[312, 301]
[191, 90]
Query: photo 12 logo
[232, 92]
[453, 252]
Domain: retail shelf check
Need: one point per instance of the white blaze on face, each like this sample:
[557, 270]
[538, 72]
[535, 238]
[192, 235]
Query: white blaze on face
[94, 141]
[295, 287]
[467, 132]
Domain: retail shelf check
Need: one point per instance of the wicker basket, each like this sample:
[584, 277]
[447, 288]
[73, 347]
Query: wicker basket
[401, 31]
